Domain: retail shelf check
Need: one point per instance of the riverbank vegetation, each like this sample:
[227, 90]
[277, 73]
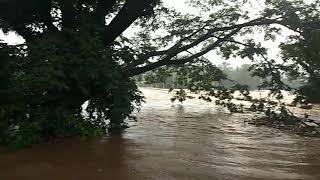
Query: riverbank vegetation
[76, 51]
[172, 77]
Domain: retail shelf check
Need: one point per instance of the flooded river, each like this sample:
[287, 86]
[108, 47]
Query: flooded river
[195, 140]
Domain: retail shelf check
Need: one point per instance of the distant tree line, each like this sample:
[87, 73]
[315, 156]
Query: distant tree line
[169, 77]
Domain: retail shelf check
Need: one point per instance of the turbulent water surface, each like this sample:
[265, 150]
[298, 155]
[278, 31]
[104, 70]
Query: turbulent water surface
[195, 140]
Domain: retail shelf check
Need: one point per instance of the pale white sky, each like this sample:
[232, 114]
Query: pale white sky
[13, 38]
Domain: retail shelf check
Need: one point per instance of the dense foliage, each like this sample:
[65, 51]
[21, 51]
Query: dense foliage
[306, 53]
[45, 85]
[75, 52]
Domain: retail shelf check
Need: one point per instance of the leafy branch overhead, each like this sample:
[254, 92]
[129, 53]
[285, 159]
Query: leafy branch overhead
[223, 23]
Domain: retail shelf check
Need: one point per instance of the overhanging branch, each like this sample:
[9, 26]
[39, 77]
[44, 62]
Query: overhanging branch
[168, 61]
[202, 38]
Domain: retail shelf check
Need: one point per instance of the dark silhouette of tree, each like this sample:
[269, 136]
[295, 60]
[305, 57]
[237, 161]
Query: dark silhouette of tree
[75, 52]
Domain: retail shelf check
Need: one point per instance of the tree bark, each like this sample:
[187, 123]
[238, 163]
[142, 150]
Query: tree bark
[103, 8]
[130, 12]
[68, 14]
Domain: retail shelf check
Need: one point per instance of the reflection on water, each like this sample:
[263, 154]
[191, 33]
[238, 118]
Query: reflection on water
[195, 140]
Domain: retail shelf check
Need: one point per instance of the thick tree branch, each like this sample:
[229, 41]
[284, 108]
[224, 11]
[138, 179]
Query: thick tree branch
[168, 61]
[202, 38]
[130, 12]
[68, 14]
[177, 45]
[103, 8]
[176, 49]
[208, 48]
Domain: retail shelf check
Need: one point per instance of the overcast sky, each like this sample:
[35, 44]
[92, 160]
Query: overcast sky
[180, 5]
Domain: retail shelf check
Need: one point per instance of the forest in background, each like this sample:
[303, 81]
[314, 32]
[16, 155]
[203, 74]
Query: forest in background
[169, 78]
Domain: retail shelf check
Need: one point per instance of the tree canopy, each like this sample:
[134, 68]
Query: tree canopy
[75, 52]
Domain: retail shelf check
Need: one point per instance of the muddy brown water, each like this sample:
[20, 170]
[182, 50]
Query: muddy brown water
[195, 140]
